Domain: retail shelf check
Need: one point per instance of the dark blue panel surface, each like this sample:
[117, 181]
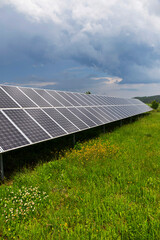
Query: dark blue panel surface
[6, 101]
[18, 96]
[10, 137]
[46, 122]
[68, 114]
[35, 97]
[61, 120]
[27, 125]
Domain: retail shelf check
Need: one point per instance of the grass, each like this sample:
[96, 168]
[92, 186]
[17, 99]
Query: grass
[104, 188]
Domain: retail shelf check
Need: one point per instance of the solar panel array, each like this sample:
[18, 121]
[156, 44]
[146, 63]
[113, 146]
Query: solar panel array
[29, 116]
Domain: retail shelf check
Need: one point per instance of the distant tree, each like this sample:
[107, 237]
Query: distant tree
[88, 92]
[155, 104]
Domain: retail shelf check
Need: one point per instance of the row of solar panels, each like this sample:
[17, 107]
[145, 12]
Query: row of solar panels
[21, 126]
[19, 97]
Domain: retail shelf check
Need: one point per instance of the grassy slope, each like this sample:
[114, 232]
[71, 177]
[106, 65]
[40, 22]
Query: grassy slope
[106, 188]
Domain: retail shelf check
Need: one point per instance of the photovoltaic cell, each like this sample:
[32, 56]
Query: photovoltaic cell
[84, 99]
[98, 110]
[6, 101]
[83, 117]
[102, 101]
[119, 112]
[10, 137]
[90, 99]
[27, 125]
[61, 120]
[113, 112]
[34, 115]
[95, 99]
[77, 99]
[48, 98]
[108, 111]
[69, 98]
[59, 98]
[90, 115]
[46, 122]
[35, 97]
[96, 114]
[123, 111]
[81, 125]
[18, 96]
[107, 100]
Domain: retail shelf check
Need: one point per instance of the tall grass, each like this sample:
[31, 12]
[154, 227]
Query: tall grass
[104, 188]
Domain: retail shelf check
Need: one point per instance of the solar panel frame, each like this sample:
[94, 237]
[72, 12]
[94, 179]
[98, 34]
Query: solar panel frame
[108, 111]
[35, 97]
[120, 113]
[80, 101]
[11, 138]
[25, 123]
[84, 99]
[69, 99]
[60, 98]
[47, 122]
[79, 110]
[97, 115]
[90, 115]
[98, 109]
[49, 98]
[6, 101]
[65, 122]
[19, 97]
[83, 117]
[73, 118]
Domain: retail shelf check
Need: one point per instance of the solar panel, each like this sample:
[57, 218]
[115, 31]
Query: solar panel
[63, 121]
[83, 97]
[29, 115]
[6, 101]
[73, 118]
[83, 117]
[35, 97]
[119, 112]
[108, 111]
[97, 114]
[18, 96]
[95, 99]
[69, 98]
[90, 115]
[27, 125]
[60, 98]
[10, 137]
[77, 99]
[98, 110]
[49, 98]
[46, 122]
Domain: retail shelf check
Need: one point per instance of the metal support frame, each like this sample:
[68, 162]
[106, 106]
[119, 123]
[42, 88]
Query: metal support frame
[1, 166]
[121, 123]
[104, 128]
[130, 119]
[74, 139]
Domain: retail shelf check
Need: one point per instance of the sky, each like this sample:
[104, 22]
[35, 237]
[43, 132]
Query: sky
[106, 47]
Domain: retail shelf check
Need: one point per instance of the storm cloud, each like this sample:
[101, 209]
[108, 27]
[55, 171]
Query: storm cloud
[67, 44]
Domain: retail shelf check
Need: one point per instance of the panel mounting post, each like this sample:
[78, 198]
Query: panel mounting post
[121, 122]
[1, 166]
[130, 119]
[74, 139]
[104, 128]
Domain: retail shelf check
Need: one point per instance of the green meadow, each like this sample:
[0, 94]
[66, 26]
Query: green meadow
[107, 187]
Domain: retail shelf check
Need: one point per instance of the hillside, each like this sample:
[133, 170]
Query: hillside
[149, 99]
[104, 188]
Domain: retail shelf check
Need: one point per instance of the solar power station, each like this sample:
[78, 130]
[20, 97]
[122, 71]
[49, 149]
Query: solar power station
[29, 116]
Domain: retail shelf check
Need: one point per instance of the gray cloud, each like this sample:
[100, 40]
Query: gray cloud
[100, 39]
